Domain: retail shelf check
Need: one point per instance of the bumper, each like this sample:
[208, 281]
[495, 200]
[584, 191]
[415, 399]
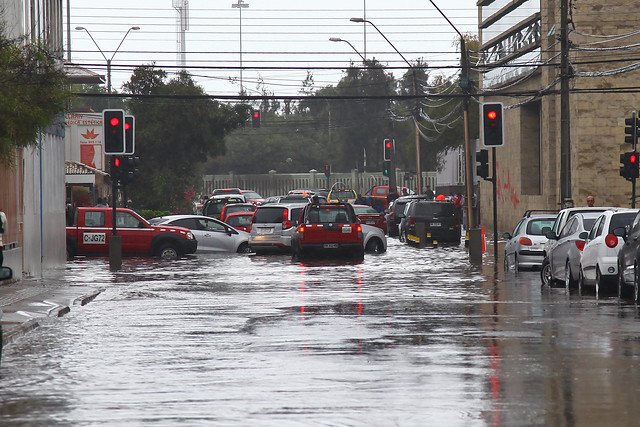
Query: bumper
[188, 246]
[332, 247]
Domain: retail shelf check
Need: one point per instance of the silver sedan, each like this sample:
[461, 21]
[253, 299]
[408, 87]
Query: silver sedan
[212, 235]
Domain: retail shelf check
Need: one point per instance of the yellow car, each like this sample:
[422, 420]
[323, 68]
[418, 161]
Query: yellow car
[343, 195]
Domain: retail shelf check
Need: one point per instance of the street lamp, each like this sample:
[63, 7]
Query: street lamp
[240, 5]
[415, 93]
[105, 57]
[338, 39]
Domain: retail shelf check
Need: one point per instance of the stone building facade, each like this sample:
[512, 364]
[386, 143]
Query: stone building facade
[521, 44]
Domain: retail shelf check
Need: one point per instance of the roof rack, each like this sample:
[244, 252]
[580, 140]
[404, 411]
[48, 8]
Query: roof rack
[528, 213]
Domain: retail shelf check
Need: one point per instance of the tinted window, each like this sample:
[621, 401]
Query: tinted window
[536, 226]
[587, 223]
[239, 208]
[189, 223]
[252, 195]
[569, 228]
[621, 220]
[434, 209]
[239, 221]
[268, 215]
[343, 194]
[380, 191]
[94, 219]
[367, 210]
[398, 206]
[295, 215]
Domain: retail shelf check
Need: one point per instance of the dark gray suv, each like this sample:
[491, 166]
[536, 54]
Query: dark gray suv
[441, 221]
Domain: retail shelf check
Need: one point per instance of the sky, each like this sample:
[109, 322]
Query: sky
[291, 38]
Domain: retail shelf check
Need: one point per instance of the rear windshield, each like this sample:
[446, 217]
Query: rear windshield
[239, 208]
[367, 210]
[587, 223]
[268, 215]
[435, 209]
[621, 220]
[343, 194]
[214, 207]
[323, 214]
[538, 227]
[252, 195]
[239, 221]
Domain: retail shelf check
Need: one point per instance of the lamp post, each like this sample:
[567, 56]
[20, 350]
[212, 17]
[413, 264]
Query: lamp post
[240, 5]
[415, 93]
[337, 39]
[112, 56]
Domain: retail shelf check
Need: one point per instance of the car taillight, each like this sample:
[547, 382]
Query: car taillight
[286, 224]
[301, 231]
[412, 221]
[525, 241]
[580, 244]
[611, 240]
[359, 230]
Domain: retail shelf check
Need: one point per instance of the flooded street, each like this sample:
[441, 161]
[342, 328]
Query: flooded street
[410, 337]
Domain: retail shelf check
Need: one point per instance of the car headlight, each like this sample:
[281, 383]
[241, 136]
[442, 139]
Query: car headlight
[190, 236]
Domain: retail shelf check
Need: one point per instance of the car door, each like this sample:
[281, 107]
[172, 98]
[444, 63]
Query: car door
[136, 234]
[627, 254]
[589, 254]
[560, 252]
[511, 246]
[94, 236]
[212, 235]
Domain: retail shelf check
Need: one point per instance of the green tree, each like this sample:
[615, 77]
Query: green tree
[33, 91]
[177, 129]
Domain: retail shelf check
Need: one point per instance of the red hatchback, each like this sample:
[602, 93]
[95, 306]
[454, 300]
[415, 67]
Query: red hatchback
[368, 215]
[240, 220]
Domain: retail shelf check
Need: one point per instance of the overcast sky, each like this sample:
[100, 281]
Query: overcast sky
[292, 36]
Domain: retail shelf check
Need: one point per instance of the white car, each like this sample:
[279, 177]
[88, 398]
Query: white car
[373, 239]
[599, 262]
[212, 235]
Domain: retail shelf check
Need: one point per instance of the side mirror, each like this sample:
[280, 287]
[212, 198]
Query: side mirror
[507, 236]
[6, 273]
[583, 235]
[551, 235]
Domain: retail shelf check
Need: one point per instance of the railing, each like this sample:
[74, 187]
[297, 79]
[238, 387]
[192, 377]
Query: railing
[275, 184]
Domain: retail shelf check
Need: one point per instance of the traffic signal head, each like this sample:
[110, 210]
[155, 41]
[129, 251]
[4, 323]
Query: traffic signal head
[386, 168]
[388, 149]
[492, 125]
[327, 170]
[117, 168]
[113, 131]
[632, 129]
[129, 134]
[482, 166]
[629, 169]
[255, 119]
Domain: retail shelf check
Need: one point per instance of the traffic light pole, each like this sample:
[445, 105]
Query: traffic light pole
[115, 242]
[494, 181]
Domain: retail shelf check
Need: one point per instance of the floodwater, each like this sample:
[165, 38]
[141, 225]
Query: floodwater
[412, 337]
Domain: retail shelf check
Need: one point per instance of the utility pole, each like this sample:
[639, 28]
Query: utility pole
[565, 120]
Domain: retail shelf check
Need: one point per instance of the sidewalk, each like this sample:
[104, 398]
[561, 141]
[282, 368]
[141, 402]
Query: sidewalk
[25, 302]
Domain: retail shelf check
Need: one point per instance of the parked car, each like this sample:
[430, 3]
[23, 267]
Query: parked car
[367, 215]
[373, 239]
[252, 197]
[272, 227]
[236, 207]
[212, 235]
[562, 261]
[525, 246]
[599, 262]
[328, 229]
[213, 207]
[563, 217]
[240, 220]
[629, 258]
[441, 221]
[397, 207]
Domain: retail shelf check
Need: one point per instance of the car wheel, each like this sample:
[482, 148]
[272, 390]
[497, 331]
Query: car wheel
[506, 262]
[545, 273]
[636, 281]
[168, 251]
[580, 281]
[568, 277]
[374, 245]
[620, 283]
[244, 248]
[599, 281]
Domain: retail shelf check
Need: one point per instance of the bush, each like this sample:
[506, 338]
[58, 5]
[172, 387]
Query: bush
[148, 214]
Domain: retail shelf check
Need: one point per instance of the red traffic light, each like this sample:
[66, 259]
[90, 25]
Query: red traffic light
[127, 126]
[116, 162]
[256, 114]
[114, 121]
[388, 144]
[633, 158]
[492, 115]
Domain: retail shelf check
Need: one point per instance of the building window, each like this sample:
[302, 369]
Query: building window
[530, 149]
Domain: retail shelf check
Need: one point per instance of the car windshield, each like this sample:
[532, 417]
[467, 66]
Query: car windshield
[366, 210]
[539, 226]
[621, 220]
[343, 194]
[268, 215]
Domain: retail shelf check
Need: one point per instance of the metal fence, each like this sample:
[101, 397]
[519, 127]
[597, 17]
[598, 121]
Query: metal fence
[275, 184]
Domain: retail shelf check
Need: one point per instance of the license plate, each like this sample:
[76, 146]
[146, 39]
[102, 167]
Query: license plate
[370, 222]
[435, 224]
[330, 246]
[94, 238]
[346, 229]
[265, 230]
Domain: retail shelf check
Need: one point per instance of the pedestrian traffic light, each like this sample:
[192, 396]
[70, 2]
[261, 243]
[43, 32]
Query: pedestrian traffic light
[629, 169]
[482, 163]
[388, 149]
[492, 125]
[117, 167]
[327, 171]
[255, 118]
[632, 130]
[129, 135]
[113, 131]
[386, 168]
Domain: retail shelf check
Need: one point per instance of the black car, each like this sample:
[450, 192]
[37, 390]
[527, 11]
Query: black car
[441, 221]
[397, 207]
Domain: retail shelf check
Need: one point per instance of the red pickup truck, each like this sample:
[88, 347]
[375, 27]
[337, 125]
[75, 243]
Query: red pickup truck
[91, 229]
[328, 229]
